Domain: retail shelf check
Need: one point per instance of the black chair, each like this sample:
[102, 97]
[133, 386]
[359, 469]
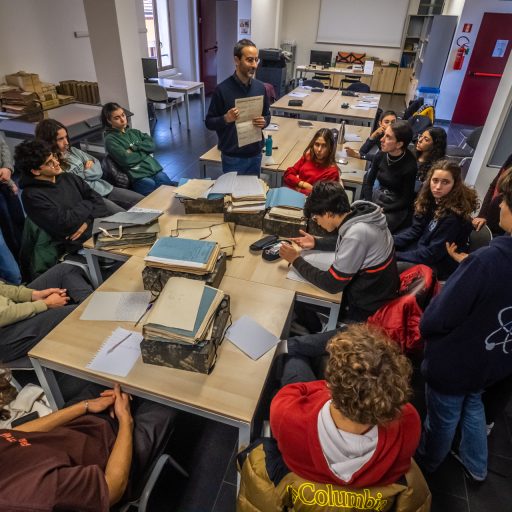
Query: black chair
[358, 87]
[478, 239]
[349, 79]
[414, 106]
[313, 83]
[157, 94]
[468, 148]
[114, 174]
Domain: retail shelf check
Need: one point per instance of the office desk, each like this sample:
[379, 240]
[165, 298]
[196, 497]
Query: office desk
[230, 394]
[185, 87]
[300, 71]
[250, 267]
[289, 136]
[325, 106]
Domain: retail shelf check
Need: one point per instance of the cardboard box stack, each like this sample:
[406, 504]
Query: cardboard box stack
[86, 92]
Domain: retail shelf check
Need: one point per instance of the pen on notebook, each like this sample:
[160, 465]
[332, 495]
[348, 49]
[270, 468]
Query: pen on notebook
[111, 349]
[150, 305]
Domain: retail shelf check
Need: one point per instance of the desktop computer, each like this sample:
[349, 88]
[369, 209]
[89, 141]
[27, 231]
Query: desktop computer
[320, 58]
[150, 69]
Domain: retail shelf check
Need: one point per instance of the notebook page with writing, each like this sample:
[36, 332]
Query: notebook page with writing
[115, 356]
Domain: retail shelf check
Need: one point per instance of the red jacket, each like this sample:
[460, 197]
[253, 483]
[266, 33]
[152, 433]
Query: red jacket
[309, 171]
[293, 420]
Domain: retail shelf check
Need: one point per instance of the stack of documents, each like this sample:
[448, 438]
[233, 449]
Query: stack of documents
[126, 229]
[285, 203]
[220, 232]
[183, 313]
[183, 255]
[243, 194]
[196, 189]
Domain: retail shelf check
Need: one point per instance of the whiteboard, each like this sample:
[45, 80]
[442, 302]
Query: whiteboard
[362, 22]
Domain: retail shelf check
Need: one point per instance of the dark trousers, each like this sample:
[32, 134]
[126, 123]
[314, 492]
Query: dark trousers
[18, 338]
[305, 360]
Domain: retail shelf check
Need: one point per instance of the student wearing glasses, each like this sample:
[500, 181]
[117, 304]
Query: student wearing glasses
[223, 113]
[59, 203]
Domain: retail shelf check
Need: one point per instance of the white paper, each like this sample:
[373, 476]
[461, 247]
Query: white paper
[247, 133]
[116, 306]
[137, 209]
[352, 137]
[121, 358]
[268, 160]
[182, 304]
[319, 259]
[224, 184]
[272, 127]
[298, 94]
[247, 186]
[250, 337]
[359, 107]
[248, 109]
[368, 67]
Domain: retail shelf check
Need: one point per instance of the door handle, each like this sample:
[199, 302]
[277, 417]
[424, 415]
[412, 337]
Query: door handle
[480, 74]
[212, 48]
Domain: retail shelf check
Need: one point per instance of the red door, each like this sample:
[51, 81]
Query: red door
[207, 35]
[484, 71]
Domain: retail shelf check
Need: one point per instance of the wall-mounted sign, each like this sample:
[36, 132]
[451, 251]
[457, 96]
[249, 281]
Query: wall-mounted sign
[500, 48]
[467, 27]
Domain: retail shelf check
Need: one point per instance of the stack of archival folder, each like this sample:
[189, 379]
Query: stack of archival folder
[185, 326]
[126, 229]
[285, 203]
[183, 255]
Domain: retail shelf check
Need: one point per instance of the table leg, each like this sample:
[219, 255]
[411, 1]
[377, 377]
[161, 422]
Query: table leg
[244, 439]
[48, 382]
[334, 312]
[203, 102]
[187, 112]
[94, 268]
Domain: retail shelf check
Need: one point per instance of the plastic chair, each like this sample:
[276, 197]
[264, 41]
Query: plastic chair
[313, 83]
[468, 147]
[157, 94]
[478, 239]
[358, 87]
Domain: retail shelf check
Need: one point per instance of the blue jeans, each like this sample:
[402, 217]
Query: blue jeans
[145, 186]
[9, 269]
[444, 414]
[241, 165]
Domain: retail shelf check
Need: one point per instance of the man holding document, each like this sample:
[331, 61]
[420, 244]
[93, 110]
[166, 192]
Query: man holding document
[238, 112]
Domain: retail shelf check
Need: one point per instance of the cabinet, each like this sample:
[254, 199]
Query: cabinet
[336, 79]
[403, 80]
[383, 79]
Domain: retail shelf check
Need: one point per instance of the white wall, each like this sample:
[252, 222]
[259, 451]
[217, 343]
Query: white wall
[300, 23]
[451, 84]
[266, 23]
[244, 13]
[479, 173]
[453, 7]
[38, 36]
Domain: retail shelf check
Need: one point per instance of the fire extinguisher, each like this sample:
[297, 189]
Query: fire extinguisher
[462, 51]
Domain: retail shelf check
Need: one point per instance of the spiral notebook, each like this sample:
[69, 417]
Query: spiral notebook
[118, 353]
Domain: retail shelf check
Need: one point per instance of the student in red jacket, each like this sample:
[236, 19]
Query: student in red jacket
[318, 163]
[356, 427]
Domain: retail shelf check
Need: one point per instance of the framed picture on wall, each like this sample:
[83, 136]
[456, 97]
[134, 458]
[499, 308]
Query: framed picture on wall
[245, 26]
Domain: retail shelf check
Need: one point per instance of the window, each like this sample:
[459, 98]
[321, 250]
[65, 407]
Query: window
[156, 15]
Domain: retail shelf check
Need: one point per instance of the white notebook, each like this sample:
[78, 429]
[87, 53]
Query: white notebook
[118, 353]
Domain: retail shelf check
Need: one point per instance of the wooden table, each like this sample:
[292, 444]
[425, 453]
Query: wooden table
[249, 267]
[300, 71]
[325, 106]
[291, 141]
[230, 394]
[185, 87]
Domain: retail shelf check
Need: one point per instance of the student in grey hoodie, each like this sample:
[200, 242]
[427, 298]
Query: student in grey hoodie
[364, 268]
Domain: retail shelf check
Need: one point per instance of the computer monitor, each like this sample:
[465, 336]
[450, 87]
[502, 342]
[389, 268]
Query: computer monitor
[320, 57]
[150, 69]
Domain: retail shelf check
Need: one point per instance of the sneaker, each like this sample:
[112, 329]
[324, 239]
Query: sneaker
[489, 428]
[469, 475]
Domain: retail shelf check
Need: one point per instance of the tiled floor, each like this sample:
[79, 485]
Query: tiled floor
[206, 448]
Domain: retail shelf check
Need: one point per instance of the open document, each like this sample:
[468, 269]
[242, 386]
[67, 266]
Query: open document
[249, 108]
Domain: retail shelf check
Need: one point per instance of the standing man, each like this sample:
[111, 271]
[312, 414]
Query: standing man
[222, 113]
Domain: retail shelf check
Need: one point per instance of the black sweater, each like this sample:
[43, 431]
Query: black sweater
[60, 208]
[223, 99]
[396, 177]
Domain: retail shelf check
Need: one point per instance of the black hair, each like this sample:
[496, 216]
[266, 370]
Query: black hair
[387, 113]
[327, 197]
[403, 132]
[31, 154]
[240, 45]
[438, 150]
[505, 186]
[106, 112]
[47, 129]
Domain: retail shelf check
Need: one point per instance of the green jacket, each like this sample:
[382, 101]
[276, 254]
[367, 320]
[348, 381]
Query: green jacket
[132, 150]
[16, 304]
[39, 251]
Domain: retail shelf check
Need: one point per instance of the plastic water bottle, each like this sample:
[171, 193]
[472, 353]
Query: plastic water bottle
[268, 146]
[301, 82]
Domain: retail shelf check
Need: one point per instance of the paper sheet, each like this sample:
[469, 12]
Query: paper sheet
[224, 184]
[207, 230]
[250, 337]
[295, 94]
[249, 109]
[351, 137]
[272, 127]
[116, 306]
[319, 259]
[179, 308]
[194, 189]
[121, 358]
[138, 209]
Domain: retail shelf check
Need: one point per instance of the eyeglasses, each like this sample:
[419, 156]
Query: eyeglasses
[52, 162]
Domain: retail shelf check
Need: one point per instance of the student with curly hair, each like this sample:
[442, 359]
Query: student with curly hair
[85, 166]
[466, 329]
[356, 427]
[430, 147]
[318, 163]
[442, 214]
